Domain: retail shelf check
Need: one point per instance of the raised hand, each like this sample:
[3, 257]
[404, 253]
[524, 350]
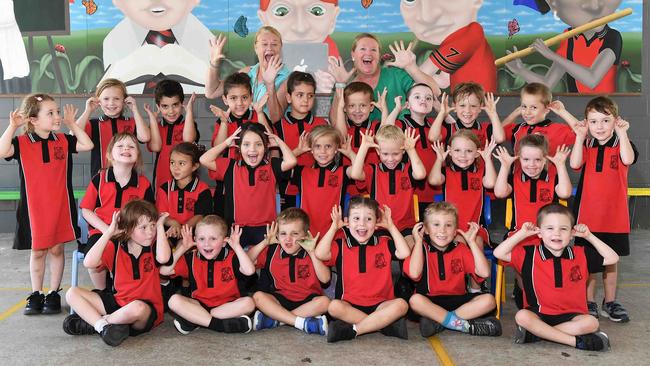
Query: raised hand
[445, 109]
[470, 234]
[324, 81]
[188, 240]
[337, 217]
[346, 147]
[411, 138]
[175, 229]
[581, 231]
[303, 144]
[560, 156]
[220, 113]
[92, 104]
[504, 157]
[235, 235]
[69, 114]
[621, 126]
[153, 115]
[557, 107]
[274, 140]
[309, 243]
[404, 56]
[272, 68]
[581, 129]
[190, 104]
[486, 153]
[271, 235]
[131, 103]
[337, 69]
[368, 139]
[112, 228]
[216, 49]
[231, 140]
[259, 105]
[440, 150]
[529, 229]
[386, 218]
[161, 219]
[490, 104]
[418, 233]
[381, 101]
[17, 119]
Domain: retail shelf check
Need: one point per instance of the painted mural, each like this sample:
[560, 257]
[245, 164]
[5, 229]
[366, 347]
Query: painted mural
[68, 46]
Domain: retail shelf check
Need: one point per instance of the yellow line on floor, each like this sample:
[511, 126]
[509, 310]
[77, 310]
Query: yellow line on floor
[440, 351]
[12, 310]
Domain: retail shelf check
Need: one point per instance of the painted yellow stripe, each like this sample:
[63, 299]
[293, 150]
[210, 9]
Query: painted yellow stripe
[12, 310]
[440, 351]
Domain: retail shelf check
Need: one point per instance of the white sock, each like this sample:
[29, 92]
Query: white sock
[100, 324]
[354, 327]
[300, 323]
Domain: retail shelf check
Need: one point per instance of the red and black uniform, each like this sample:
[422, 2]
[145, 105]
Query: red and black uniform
[529, 195]
[46, 213]
[291, 276]
[584, 52]
[464, 188]
[320, 188]
[557, 134]
[171, 134]
[364, 270]
[467, 56]
[104, 196]
[552, 285]
[482, 130]
[233, 124]
[134, 278]
[101, 130]
[184, 203]
[249, 191]
[394, 188]
[424, 190]
[356, 132]
[213, 282]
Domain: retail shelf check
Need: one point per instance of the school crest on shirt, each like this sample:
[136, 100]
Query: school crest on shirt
[303, 271]
[226, 274]
[148, 264]
[405, 183]
[59, 153]
[178, 136]
[456, 266]
[380, 260]
[613, 162]
[545, 195]
[333, 181]
[189, 204]
[575, 274]
[129, 129]
[264, 175]
[475, 184]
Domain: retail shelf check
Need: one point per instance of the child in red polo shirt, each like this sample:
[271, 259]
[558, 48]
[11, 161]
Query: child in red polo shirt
[46, 212]
[112, 188]
[134, 303]
[601, 199]
[172, 129]
[111, 97]
[555, 278]
[469, 100]
[438, 264]
[322, 184]
[250, 182]
[364, 285]
[216, 275]
[291, 278]
[392, 181]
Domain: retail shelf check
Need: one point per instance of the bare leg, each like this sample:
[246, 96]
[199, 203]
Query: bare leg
[563, 333]
[136, 313]
[87, 304]
[242, 306]
[98, 278]
[57, 264]
[387, 312]
[190, 309]
[610, 281]
[591, 287]
[37, 268]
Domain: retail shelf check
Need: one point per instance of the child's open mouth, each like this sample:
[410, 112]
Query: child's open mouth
[158, 10]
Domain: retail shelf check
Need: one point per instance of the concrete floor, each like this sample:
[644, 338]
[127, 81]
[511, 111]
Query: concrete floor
[40, 339]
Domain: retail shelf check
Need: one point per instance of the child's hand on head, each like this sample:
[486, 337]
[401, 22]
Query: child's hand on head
[92, 104]
[69, 114]
[216, 48]
[235, 235]
[490, 104]
[440, 150]
[411, 138]
[381, 101]
[259, 105]
[504, 157]
[274, 140]
[581, 231]
[486, 153]
[418, 233]
[271, 235]
[161, 219]
[131, 103]
[337, 69]
[556, 107]
[232, 139]
[386, 218]
[188, 240]
[112, 228]
[470, 234]
[529, 229]
[153, 114]
[561, 154]
[337, 217]
[17, 119]
[621, 126]
[581, 129]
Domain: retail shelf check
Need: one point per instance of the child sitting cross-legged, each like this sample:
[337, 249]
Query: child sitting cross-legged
[439, 264]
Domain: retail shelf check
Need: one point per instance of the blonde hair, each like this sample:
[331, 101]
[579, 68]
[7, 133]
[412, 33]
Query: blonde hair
[324, 131]
[390, 133]
[361, 36]
[445, 208]
[30, 107]
[111, 83]
[293, 214]
[268, 29]
[466, 134]
[119, 137]
[213, 220]
[464, 90]
[540, 90]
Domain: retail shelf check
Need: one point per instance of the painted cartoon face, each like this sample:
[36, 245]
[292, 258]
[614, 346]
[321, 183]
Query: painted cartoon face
[181, 165]
[267, 45]
[144, 232]
[252, 149]
[358, 107]
[302, 99]
[48, 117]
[467, 108]
[366, 56]
[532, 161]
[209, 240]
[421, 100]
[307, 21]
[289, 233]
[111, 101]
[579, 12]
[441, 228]
[125, 151]
[324, 150]
[463, 152]
[601, 126]
[433, 20]
[238, 100]
[156, 15]
[390, 152]
[533, 110]
[555, 231]
[361, 222]
[170, 108]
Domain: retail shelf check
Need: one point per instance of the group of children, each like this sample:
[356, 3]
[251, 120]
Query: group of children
[411, 236]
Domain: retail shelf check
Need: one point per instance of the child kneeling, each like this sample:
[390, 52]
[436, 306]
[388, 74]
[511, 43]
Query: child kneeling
[217, 279]
[555, 278]
[439, 264]
[291, 278]
[134, 303]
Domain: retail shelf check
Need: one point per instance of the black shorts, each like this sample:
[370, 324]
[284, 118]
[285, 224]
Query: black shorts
[291, 305]
[452, 302]
[111, 306]
[252, 235]
[366, 309]
[619, 242]
[89, 243]
[554, 320]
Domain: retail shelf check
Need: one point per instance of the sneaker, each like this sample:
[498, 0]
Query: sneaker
[74, 325]
[240, 324]
[115, 334]
[340, 331]
[615, 312]
[34, 303]
[184, 326]
[523, 336]
[261, 321]
[396, 329]
[593, 342]
[592, 307]
[316, 325]
[52, 303]
[485, 327]
[430, 327]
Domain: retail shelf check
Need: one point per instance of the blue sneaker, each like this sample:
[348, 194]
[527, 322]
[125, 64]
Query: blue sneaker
[316, 325]
[261, 321]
